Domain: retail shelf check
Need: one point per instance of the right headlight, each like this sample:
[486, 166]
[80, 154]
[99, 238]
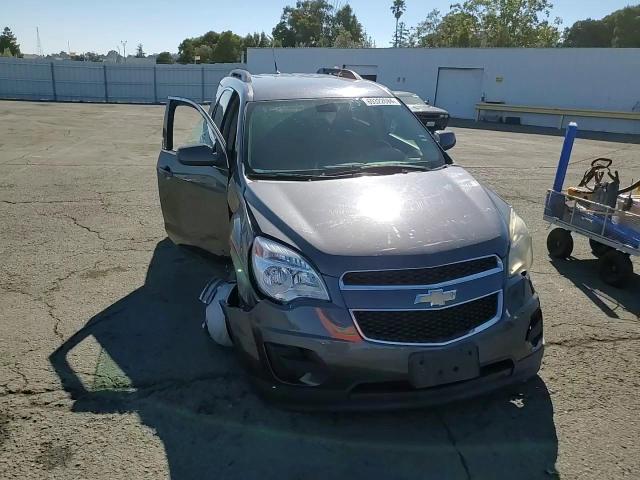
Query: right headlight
[283, 274]
[521, 246]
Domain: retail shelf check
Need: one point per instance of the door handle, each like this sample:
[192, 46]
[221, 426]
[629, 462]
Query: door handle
[167, 171]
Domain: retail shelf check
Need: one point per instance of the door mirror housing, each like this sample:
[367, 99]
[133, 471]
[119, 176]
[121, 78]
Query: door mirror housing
[200, 155]
[446, 139]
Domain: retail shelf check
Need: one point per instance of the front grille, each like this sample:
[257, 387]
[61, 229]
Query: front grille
[431, 117]
[420, 276]
[426, 326]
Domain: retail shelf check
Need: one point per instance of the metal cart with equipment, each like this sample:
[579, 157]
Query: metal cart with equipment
[606, 214]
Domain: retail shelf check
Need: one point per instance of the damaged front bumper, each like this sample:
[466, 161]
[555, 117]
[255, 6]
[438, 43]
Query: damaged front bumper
[312, 357]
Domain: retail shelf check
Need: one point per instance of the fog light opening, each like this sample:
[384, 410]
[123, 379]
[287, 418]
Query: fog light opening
[535, 330]
[296, 365]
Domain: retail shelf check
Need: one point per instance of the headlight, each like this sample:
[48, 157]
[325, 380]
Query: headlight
[521, 248]
[283, 274]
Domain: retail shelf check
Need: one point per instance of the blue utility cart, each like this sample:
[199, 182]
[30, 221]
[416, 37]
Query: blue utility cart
[613, 231]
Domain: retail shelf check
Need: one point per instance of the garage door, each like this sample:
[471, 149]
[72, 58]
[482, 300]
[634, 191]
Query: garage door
[458, 91]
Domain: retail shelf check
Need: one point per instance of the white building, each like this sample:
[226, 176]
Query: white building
[597, 87]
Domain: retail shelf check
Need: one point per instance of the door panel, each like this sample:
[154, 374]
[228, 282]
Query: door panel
[458, 91]
[193, 198]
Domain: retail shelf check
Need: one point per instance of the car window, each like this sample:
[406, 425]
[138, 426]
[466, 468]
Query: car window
[320, 135]
[189, 128]
[221, 108]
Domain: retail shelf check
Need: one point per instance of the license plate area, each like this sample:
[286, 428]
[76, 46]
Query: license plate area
[431, 124]
[439, 367]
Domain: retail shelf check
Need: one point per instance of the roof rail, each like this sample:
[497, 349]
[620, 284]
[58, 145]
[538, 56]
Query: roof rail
[340, 72]
[241, 74]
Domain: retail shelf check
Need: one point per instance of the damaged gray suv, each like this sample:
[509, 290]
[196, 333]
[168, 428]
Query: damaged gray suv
[370, 271]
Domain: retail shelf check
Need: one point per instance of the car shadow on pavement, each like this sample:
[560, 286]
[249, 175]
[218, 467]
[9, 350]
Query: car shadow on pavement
[158, 363]
[584, 275]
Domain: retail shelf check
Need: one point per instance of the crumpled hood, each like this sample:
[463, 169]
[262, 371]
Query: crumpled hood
[378, 222]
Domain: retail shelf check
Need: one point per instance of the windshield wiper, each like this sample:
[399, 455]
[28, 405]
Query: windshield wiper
[351, 169]
[282, 176]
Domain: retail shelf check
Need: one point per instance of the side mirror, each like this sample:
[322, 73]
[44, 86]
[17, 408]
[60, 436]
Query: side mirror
[200, 155]
[446, 139]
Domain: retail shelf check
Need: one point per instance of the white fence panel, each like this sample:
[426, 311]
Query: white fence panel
[103, 82]
[25, 80]
[76, 81]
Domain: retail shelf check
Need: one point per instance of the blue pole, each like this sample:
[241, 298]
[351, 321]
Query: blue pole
[563, 164]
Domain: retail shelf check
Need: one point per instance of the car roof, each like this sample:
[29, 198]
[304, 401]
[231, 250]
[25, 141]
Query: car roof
[288, 86]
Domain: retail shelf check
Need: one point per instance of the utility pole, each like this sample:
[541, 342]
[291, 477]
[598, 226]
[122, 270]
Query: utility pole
[124, 49]
[39, 47]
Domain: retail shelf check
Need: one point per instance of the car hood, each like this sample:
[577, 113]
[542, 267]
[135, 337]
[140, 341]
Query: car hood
[427, 108]
[377, 222]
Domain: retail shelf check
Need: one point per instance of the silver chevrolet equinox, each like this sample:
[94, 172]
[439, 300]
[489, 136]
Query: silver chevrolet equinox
[370, 271]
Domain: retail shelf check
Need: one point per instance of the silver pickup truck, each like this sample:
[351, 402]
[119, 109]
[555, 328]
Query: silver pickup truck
[370, 271]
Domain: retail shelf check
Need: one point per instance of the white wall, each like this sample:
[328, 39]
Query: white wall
[590, 78]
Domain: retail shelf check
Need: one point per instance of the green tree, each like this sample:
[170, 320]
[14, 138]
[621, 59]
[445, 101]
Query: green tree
[345, 20]
[344, 39]
[92, 57]
[165, 58]
[187, 50]
[588, 33]
[490, 23]
[228, 49]
[9, 42]
[619, 29]
[625, 24]
[398, 8]
[425, 33]
[139, 51]
[307, 24]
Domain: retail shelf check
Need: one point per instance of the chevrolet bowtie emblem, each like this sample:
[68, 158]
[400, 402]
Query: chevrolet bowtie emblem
[436, 298]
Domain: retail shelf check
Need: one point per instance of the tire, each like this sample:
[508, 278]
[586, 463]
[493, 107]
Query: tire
[215, 320]
[615, 268]
[599, 249]
[560, 243]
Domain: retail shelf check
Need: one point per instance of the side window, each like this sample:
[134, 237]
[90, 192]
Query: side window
[221, 108]
[189, 128]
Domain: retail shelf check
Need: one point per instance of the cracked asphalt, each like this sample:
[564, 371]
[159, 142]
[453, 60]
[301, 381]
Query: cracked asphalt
[106, 373]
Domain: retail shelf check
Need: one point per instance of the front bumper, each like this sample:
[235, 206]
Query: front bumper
[347, 372]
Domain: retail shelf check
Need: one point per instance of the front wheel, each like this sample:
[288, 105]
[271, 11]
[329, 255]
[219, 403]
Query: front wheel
[560, 243]
[616, 268]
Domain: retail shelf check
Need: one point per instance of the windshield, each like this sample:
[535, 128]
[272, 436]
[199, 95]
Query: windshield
[326, 136]
[411, 99]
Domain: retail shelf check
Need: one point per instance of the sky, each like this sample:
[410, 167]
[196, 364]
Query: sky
[162, 24]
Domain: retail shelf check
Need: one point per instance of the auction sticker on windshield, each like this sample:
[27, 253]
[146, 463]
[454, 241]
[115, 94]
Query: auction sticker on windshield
[379, 101]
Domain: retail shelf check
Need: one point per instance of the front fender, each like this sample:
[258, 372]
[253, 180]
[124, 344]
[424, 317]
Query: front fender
[242, 233]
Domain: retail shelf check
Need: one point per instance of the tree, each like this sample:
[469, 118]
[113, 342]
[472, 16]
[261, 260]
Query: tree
[398, 8]
[139, 52]
[307, 24]
[165, 58]
[344, 39]
[626, 27]
[619, 29]
[92, 57]
[490, 23]
[228, 49]
[425, 33]
[9, 42]
[346, 21]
